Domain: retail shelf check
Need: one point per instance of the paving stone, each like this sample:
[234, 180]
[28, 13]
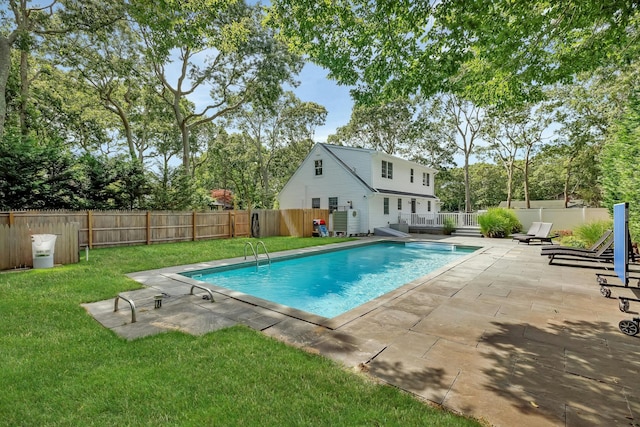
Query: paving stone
[413, 374]
[394, 317]
[454, 324]
[502, 405]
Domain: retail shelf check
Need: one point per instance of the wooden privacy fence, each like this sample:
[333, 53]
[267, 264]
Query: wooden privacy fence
[16, 248]
[121, 228]
[299, 222]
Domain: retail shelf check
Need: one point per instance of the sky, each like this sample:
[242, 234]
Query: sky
[316, 87]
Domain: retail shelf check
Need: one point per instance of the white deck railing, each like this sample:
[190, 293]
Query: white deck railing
[459, 219]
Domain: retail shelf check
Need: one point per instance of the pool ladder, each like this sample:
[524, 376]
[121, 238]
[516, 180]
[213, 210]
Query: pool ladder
[256, 252]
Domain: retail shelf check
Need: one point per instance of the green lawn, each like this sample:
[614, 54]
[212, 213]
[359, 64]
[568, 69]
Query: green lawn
[60, 367]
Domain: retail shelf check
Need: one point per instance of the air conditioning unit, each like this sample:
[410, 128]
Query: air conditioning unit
[353, 222]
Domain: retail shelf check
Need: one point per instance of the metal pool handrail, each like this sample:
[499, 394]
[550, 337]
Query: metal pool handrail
[256, 250]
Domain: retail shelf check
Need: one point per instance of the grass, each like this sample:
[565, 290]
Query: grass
[62, 368]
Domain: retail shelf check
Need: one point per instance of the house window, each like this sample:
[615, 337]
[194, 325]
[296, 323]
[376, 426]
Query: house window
[315, 203]
[386, 206]
[387, 169]
[426, 178]
[318, 167]
[399, 204]
[413, 206]
[411, 176]
[333, 204]
[428, 205]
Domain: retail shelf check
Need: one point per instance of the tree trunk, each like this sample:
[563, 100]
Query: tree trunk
[5, 67]
[566, 188]
[24, 91]
[186, 152]
[467, 185]
[526, 180]
[509, 185]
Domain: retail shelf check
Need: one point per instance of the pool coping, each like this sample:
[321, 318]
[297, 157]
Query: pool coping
[176, 274]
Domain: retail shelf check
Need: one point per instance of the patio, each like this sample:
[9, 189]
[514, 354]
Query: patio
[501, 336]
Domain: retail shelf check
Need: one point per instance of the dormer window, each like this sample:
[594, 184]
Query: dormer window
[318, 167]
[387, 169]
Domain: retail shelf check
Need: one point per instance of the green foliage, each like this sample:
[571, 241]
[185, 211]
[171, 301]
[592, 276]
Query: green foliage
[591, 232]
[491, 52]
[449, 226]
[573, 241]
[619, 157]
[36, 175]
[498, 222]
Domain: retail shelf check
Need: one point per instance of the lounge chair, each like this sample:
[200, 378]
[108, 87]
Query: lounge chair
[535, 226]
[606, 237]
[602, 254]
[542, 235]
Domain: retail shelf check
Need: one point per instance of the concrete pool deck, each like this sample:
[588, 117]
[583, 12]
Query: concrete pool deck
[500, 335]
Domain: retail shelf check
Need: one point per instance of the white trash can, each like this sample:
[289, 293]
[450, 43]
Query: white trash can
[43, 248]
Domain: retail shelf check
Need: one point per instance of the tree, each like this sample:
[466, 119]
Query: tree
[111, 63]
[219, 45]
[388, 127]
[23, 24]
[516, 134]
[491, 52]
[620, 180]
[270, 130]
[585, 111]
[36, 175]
[457, 123]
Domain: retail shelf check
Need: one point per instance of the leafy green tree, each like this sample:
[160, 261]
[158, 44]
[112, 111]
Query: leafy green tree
[458, 123]
[23, 25]
[488, 185]
[388, 127]
[233, 167]
[492, 52]
[450, 189]
[620, 180]
[36, 175]
[270, 130]
[585, 112]
[516, 134]
[220, 45]
[110, 62]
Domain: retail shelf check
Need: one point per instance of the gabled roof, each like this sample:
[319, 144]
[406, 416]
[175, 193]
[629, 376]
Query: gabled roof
[328, 147]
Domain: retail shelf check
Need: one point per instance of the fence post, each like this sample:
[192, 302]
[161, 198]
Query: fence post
[11, 218]
[148, 227]
[193, 225]
[90, 228]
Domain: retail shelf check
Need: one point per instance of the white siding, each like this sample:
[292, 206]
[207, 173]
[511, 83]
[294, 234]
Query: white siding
[358, 160]
[335, 181]
[401, 175]
[338, 180]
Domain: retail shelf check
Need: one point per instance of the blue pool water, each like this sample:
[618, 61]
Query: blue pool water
[331, 283]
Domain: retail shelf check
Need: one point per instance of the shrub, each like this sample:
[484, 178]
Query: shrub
[449, 226]
[573, 241]
[591, 232]
[499, 222]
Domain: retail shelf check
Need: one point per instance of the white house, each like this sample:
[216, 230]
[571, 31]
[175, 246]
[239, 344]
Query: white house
[377, 186]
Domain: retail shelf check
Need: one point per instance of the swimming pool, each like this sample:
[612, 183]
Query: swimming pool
[330, 283]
